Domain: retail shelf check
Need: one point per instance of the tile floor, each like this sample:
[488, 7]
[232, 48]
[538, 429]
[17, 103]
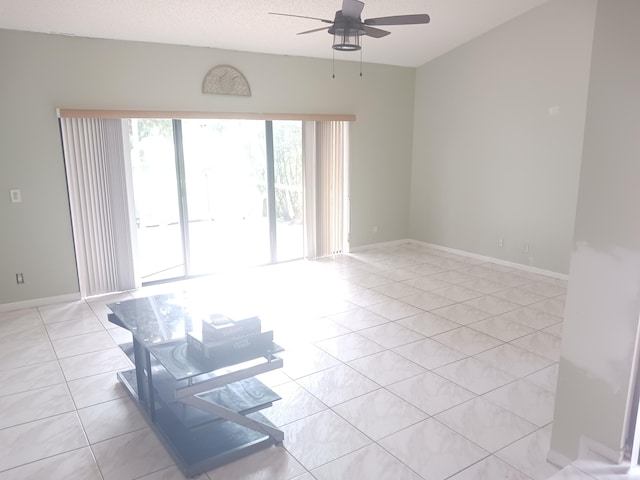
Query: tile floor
[401, 362]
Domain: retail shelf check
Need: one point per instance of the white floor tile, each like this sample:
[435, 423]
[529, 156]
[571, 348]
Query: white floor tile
[397, 290]
[350, 346]
[35, 404]
[379, 413]
[394, 310]
[391, 335]
[129, 456]
[109, 419]
[457, 293]
[295, 403]
[532, 318]
[170, 473]
[70, 328]
[322, 438]
[467, 340]
[501, 328]
[453, 277]
[432, 450]
[386, 367]
[305, 360]
[369, 463]
[526, 400]
[28, 350]
[475, 375]
[429, 354]
[337, 384]
[428, 301]
[520, 295]
[431, 393]
[553, 306]
[27, 378]
[96, 389]
[427, 283]
[428, 324]
[74, 465]
[571, 473]
[491, 468]
[492, 305]
[366, 297]
[542, 344]
[461, 313]
[61, 312]
[484, 285]
[359, 319]
[94, 363]
[79, 344]
[273, 463]
[546, 378]
[529, 455]
[486, 424]
[514, 360]
[39, 439]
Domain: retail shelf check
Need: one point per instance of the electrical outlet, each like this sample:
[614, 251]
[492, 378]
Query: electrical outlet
[16, 195]
[19, 278]
[500, 242]
[525, 249]
[375, 229]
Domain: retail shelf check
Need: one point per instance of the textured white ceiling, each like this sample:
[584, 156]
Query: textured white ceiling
[246, 25]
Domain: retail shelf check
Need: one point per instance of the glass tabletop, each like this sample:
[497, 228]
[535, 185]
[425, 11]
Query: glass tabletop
[160, 318]
[162, 322]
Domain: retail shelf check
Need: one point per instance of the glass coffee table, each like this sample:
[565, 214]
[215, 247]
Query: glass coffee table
[205, 411]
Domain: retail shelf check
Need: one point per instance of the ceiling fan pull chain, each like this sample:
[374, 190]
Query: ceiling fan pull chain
[333, 64]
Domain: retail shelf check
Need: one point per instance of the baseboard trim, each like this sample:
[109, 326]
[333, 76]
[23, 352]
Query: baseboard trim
[373, 246]
[589, 450]
[558, 459]
[499, 261]
[589, 446]
[38, 302]
[484, 258]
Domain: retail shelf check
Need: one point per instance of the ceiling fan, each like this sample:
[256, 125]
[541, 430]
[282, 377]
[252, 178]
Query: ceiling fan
[347, 27]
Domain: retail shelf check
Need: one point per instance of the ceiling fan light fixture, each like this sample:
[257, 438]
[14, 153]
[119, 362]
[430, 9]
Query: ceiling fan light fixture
[346, 39]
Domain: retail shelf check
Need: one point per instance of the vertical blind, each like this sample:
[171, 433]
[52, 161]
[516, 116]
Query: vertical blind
[94, 161]
[325, 147]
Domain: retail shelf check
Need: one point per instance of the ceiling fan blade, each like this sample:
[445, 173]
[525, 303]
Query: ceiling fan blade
[352, 8]
[301, 16]
[375, 32]
[314, 30]
[399, 20]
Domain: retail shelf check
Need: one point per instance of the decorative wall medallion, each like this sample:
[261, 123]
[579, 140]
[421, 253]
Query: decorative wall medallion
[226, 80]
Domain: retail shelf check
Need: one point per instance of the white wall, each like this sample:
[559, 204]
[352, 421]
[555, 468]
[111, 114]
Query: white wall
[39, 73]
[489, 161]
[603, 300]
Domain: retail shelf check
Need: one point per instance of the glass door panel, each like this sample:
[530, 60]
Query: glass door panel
[160, 252]
[226, 188]
[289, 198]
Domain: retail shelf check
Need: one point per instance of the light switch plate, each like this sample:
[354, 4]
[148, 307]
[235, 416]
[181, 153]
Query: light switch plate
[16, 195]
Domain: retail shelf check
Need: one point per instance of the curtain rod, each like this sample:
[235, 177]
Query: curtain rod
[117, 114]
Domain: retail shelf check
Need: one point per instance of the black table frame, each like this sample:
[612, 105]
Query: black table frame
[229, 435]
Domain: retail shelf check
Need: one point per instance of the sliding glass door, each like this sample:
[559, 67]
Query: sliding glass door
[216, 194]
[225, 178]
[289, 192]
[159, 238]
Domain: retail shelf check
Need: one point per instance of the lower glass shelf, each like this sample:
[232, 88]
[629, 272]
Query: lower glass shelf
[200, 442]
